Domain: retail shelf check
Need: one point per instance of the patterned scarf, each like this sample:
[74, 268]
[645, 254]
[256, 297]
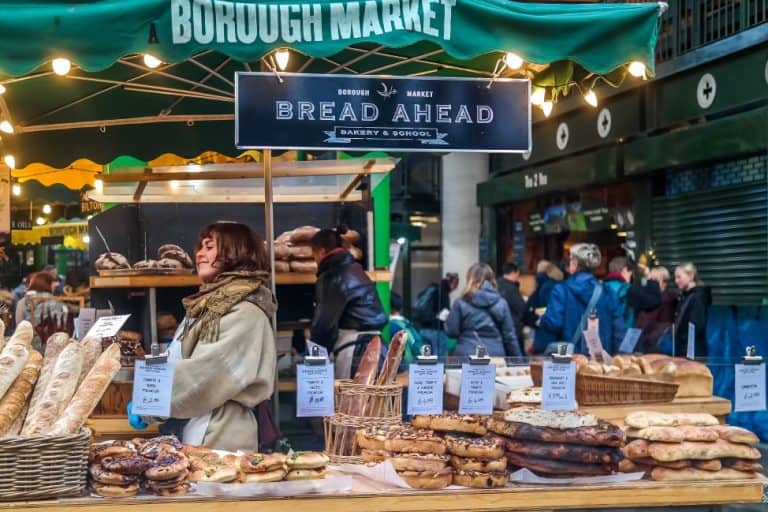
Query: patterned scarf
[216, 299]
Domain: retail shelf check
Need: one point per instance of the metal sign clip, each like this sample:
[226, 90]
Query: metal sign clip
[561, 356]
[426, 356]
[752, 357]
[480, 356]
[156, 357]
[314, 358]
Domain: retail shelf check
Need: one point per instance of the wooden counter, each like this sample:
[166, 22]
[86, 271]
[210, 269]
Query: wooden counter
[518, 498]
[191, 280]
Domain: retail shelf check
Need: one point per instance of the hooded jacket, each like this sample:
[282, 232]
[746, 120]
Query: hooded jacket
[566, 308]
[484, 319]
[345, 298]
[540, 297]
[692, 307]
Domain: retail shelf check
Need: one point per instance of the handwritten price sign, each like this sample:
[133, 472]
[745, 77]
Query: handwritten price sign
[477, 389]
[425, 389]
[314, 390]
[559, 386]
[152, 386]
[750, 387]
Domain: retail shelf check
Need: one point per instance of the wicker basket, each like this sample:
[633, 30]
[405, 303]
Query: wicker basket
[607, 390]
[376, 406]
[44, 467]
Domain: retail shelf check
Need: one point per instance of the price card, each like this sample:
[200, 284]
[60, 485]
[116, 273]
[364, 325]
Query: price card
[594, 345]
[750, 387]
[425, 389]
[107, 326]
[690, 349]
[558, 386]
[314, 390]
[630, 340]
[152, 386]
[85, 321]
[477, 388]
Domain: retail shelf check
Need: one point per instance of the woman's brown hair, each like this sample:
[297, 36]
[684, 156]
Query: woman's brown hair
[41, 282]
[476, 276]
[238, 248]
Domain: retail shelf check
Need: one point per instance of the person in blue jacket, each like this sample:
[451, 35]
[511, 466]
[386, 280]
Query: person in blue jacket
[567, 311]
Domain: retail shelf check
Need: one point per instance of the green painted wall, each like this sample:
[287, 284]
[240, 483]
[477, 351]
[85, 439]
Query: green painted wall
[380, 193]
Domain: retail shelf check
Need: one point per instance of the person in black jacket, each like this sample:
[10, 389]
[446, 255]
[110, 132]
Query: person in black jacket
[692, 307]
[509, 288]
[346, 302]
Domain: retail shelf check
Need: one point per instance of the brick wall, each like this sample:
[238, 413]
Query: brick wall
[733, 172]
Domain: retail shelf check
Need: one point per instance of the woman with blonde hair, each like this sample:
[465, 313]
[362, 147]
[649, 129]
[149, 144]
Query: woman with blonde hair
[692, 307]
[481, 316]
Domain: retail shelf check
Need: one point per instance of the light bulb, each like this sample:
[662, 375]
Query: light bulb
[16, 189]
[537, 98]
[2, 89]
[637, 68]
[98, 185]
[47, 209]
[151, 61]
[10, 161]
[591, 98]
[282, 56]
[401, 240]
[546, 107]
[89, 217]
[86, 239]
[6, 127]
[513, 60]
[61, 66]
[39, 221]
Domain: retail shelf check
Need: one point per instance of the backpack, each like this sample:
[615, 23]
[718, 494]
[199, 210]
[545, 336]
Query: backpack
[423, 310]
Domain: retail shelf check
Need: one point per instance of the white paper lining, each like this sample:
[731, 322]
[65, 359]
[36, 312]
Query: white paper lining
[524, 476]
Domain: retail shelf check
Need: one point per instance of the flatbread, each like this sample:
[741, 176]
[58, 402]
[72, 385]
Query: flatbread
[551, 419]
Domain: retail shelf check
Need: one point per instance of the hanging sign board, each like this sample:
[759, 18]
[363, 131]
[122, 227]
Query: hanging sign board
[369, 113]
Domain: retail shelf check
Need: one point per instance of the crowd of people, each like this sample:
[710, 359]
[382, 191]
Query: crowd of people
[492, 311]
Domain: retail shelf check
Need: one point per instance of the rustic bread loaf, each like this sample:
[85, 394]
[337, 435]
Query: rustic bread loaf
[57, 393]
[702, 451]
[12, 361]
[91, 350]
[56, 343]
[14, 401]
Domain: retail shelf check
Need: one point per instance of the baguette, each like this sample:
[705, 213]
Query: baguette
[15, 429]
[90, 392]
[702, 451]
[15, 399]
[57, 393]
[91, 349]
[56, 343]
[670, 475]
[2, 335]
[23, 335]
[12, 361]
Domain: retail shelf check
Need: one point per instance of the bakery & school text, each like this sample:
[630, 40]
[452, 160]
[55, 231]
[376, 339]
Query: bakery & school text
[221, 21]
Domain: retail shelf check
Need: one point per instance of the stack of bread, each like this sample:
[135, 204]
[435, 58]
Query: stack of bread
[293, 252]
[558, 443]
[55, 393]
[419, 457]
[208, 466]
[169, 256]
[694, 378]
[477, 458]
[306, 466]
[689, 447]
[120, 468]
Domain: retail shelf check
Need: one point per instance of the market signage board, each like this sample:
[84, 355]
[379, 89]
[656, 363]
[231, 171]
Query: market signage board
[368, 113]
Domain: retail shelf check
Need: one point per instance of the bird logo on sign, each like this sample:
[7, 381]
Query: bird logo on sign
[386, 92]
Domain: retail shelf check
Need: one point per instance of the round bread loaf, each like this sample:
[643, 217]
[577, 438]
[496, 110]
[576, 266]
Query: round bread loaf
[427, 479]
[115, 491]
[111, 261]
[487, 448]
[418, 462]
[102, 476]
[482, 466]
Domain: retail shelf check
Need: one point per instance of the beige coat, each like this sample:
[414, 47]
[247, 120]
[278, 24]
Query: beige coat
[228, 376]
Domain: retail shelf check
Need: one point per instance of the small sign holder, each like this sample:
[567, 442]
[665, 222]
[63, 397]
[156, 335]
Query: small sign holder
[561, 356]
[155, 357]
[480, 357]
[314, 358]
[751, 356]
[426, 356]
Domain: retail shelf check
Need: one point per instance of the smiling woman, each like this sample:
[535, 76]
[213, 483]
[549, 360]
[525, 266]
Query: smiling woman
[224, 352]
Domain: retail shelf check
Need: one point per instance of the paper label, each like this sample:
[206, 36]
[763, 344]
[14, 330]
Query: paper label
[630, 340]
[152, 387]
[690, 349]
[107, 326]
[594, 345]
[477, 388]
[425, 389]
[750, 387]
[558, 386]
[85, 321]
[314, 390]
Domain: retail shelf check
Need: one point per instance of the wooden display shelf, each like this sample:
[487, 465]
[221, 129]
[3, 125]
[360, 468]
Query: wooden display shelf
[518, 498]
[117, 427]
[714, 405]
[181, 281]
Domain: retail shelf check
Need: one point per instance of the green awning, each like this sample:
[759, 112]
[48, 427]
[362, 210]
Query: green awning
[598, 37]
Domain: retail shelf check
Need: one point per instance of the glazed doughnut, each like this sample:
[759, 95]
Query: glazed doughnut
[487, 448]
[100, 452]
[167, 466]
[102, 476]
[173, 441]
[133, 465]
[115, 491]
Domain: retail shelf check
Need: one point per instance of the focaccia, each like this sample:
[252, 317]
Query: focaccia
[563, 451]
[604, 434]
[736, 435]
[702, 451]
[644, 419]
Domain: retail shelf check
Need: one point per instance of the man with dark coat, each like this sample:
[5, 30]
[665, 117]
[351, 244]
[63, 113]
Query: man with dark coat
[509, 288]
